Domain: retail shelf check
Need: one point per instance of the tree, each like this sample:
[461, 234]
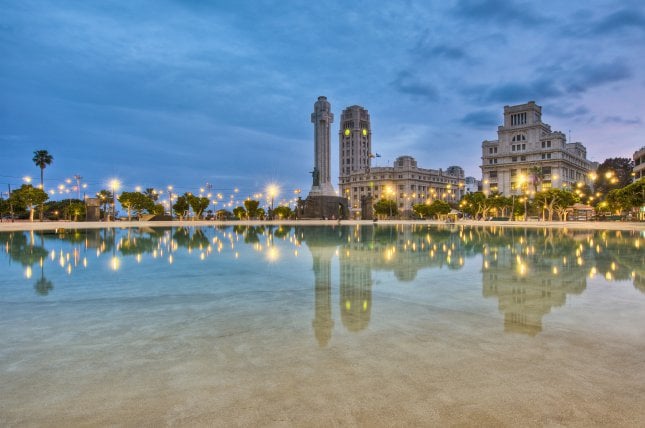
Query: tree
[74, 209]
[385, 208]
[627, 198]
[29, 197]
[613, 173]
[42, 158]
[106, 198]
[556, 200]
[251, 206]
[157, 209]
[239, 212]
[182, 206]
[438, 208]
[151, 193]
[476, 204]
[198, 204]
[422, 210]
[126, 199]
[282, 212]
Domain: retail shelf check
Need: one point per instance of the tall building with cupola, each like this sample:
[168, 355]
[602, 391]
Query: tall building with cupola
[528, 155]
[404, 182]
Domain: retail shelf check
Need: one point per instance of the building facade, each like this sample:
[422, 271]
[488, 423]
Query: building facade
[639, 164]
[528, 156]
[405, 183]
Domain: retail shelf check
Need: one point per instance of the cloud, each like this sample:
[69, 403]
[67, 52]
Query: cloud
[622, 121]
[557, 110]
[481, 119]
[405, 82]
[517, 92]
[589, 76]
[620, 20]
[498, 11]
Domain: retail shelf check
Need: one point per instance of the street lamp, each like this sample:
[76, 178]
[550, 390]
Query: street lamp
[114, 184]
[272, 191]
[170, 200]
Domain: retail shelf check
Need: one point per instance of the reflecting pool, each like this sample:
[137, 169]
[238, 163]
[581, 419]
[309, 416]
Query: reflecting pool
[367, 325]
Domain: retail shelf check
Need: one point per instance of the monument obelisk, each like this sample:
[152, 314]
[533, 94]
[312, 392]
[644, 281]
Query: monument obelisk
[322, 118]
[322, 201]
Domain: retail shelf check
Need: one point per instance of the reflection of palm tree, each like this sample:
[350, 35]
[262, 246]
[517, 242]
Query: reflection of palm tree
[43, 286]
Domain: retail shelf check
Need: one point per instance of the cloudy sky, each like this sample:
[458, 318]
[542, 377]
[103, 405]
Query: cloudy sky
[188, 92]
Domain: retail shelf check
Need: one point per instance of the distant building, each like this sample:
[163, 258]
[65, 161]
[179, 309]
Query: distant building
[639, 164]
[472, 185]
[526, 145]
[405, 183]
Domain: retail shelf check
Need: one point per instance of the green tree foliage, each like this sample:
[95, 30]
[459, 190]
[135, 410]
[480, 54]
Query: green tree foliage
[476, 204]
[282, 212]
[613, 173]
[136, 201]
[223, 215]
[385, 208]
[438, 208]
[74, 210]
[152, 194]
[627, 198]
[181, 207]
[106, 198]
[555, 200]
[29, 197]
[198, 204]
[422, 210]
[239, 212]
[42, 158]
[502, 204]
[157, 209]
[252, 206]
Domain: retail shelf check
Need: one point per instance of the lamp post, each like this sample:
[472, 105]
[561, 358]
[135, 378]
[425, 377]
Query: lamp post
[114, 184]
[272, 192]
[170, 200]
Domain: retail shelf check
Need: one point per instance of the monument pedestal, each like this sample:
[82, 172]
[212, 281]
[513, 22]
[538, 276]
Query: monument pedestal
[323, 207]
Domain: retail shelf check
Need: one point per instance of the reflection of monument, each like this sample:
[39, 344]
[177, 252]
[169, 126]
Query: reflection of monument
[322, 322]
[322, 201]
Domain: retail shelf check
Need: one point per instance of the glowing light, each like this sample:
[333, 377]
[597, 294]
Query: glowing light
[28, 272]
[348, 305]
[115, 263]
[273, 254]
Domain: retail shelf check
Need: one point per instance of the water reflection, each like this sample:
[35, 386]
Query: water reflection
[529, 271]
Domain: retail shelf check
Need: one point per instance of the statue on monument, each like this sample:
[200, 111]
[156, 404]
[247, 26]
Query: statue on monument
[315, 174]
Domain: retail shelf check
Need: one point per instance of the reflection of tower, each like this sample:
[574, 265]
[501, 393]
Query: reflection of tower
[355, 291]
[355, 137]
[322, 119]
[323, 322]
[322, 242]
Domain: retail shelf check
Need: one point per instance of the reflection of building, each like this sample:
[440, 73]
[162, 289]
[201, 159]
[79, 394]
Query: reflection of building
[528, 287]
[525, 142]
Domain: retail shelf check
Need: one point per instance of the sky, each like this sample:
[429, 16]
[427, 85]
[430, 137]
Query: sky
[185, 93]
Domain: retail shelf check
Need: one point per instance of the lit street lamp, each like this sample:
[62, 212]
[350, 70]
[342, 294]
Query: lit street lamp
[114, 184]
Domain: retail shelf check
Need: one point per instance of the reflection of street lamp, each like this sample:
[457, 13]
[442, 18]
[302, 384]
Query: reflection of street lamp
[114, 184]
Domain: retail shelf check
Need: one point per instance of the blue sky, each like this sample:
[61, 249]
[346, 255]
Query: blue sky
[188, 92]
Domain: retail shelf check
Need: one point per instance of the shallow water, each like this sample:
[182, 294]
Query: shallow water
[369, 325]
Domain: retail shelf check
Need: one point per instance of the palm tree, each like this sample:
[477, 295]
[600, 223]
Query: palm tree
[42, 158]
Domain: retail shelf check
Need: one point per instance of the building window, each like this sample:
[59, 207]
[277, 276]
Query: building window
[522, 158]
[492, 174]
[514, 159]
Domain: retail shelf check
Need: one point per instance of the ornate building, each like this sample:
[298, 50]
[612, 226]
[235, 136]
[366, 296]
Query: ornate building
[405, 182]
[528, 156]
